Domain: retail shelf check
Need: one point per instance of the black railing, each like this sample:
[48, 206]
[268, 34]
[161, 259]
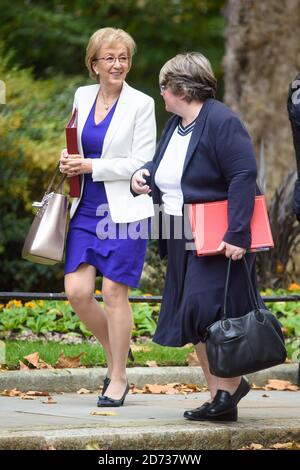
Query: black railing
[151, 299]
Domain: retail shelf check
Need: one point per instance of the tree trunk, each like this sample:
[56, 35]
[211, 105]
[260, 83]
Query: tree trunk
[262, 58]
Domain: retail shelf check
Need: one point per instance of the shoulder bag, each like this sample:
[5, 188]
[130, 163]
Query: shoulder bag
[238, 346]
[45, 239]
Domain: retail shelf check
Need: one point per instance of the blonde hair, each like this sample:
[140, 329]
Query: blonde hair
[110, 36]
[190, 74]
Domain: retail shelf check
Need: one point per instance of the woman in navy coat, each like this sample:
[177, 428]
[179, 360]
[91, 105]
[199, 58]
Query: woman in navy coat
[205, 154]
[293, 106]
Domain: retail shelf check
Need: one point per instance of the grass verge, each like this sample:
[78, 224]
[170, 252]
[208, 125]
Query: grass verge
[94, 355]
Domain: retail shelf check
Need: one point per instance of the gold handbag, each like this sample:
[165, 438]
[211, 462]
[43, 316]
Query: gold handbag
[45, 239]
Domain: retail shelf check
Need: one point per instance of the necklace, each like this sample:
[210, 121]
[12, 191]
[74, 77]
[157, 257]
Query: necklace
[106, 105]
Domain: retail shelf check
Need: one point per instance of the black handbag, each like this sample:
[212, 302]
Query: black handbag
[238, 346]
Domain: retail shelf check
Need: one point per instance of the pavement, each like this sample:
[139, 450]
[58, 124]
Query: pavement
[146, 421]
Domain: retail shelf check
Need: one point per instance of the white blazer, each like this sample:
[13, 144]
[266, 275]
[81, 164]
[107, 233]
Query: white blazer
[128, 144]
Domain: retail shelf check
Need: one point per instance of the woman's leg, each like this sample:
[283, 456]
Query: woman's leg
[120, 324]
[212, 380]
[215, 383]
[79, 287]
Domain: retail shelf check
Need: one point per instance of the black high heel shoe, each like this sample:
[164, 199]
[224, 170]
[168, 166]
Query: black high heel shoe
[106, 383]
[111, 402]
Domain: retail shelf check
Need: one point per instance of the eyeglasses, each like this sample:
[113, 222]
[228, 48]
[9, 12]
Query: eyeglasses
[162, 88]
[110, 60]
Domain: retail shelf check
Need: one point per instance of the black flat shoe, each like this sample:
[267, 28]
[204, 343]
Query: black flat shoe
[111, 402]
[197, 413]
[201, 414]
[226, 403]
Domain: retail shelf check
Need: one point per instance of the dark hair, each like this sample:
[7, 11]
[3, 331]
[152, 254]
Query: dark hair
[190, 74]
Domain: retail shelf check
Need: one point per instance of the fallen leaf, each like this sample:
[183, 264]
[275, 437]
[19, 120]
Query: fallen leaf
[23, 396]
[168, 389]
[286, 446]
[23, 366]
[44, 365]
[150, 388]
[92, 446]
[49, 401]
[192, 360]
[277, 446]
[190, 387]
[135, 390]
[255, 446]
[36, 393]
[83, 391]
[252, 446]
[256, 387]
[11, 393]
[69, 362]
[33, 359]
[151, 363]
[274, 384]
[103, 413]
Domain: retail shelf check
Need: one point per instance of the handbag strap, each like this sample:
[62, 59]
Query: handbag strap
[250, 283]
[60, 183]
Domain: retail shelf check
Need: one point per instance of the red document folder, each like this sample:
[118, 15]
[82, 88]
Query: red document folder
[72, 148]
[209, 223]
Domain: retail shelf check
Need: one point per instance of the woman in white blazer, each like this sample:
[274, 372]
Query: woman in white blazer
[116, 134]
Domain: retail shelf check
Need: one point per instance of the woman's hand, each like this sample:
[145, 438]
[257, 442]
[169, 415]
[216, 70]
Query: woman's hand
[74, 164]
[232, 251]
[138, 183]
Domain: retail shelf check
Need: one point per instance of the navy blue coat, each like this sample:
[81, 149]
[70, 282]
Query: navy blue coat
[220, 164]
[293, 106]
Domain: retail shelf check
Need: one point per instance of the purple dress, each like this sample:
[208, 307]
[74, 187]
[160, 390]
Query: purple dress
[117, 257]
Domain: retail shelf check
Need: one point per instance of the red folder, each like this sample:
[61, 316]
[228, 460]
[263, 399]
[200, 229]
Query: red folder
[72, 148]
[209, 223]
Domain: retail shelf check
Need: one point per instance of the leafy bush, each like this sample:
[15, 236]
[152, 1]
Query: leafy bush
[288, 313]
[42, 317]
[31, 136]
[273, 267]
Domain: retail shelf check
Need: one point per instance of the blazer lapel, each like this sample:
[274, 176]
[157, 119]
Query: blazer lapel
[198, 130]
[119, 115]
[84, 109]
[165, 139]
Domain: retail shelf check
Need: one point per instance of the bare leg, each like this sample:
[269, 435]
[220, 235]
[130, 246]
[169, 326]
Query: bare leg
[212, 380]
[79, 287]
[120, 324]
[215, 383]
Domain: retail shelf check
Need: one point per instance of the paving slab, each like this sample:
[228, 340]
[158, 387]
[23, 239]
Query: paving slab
[146, 422]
